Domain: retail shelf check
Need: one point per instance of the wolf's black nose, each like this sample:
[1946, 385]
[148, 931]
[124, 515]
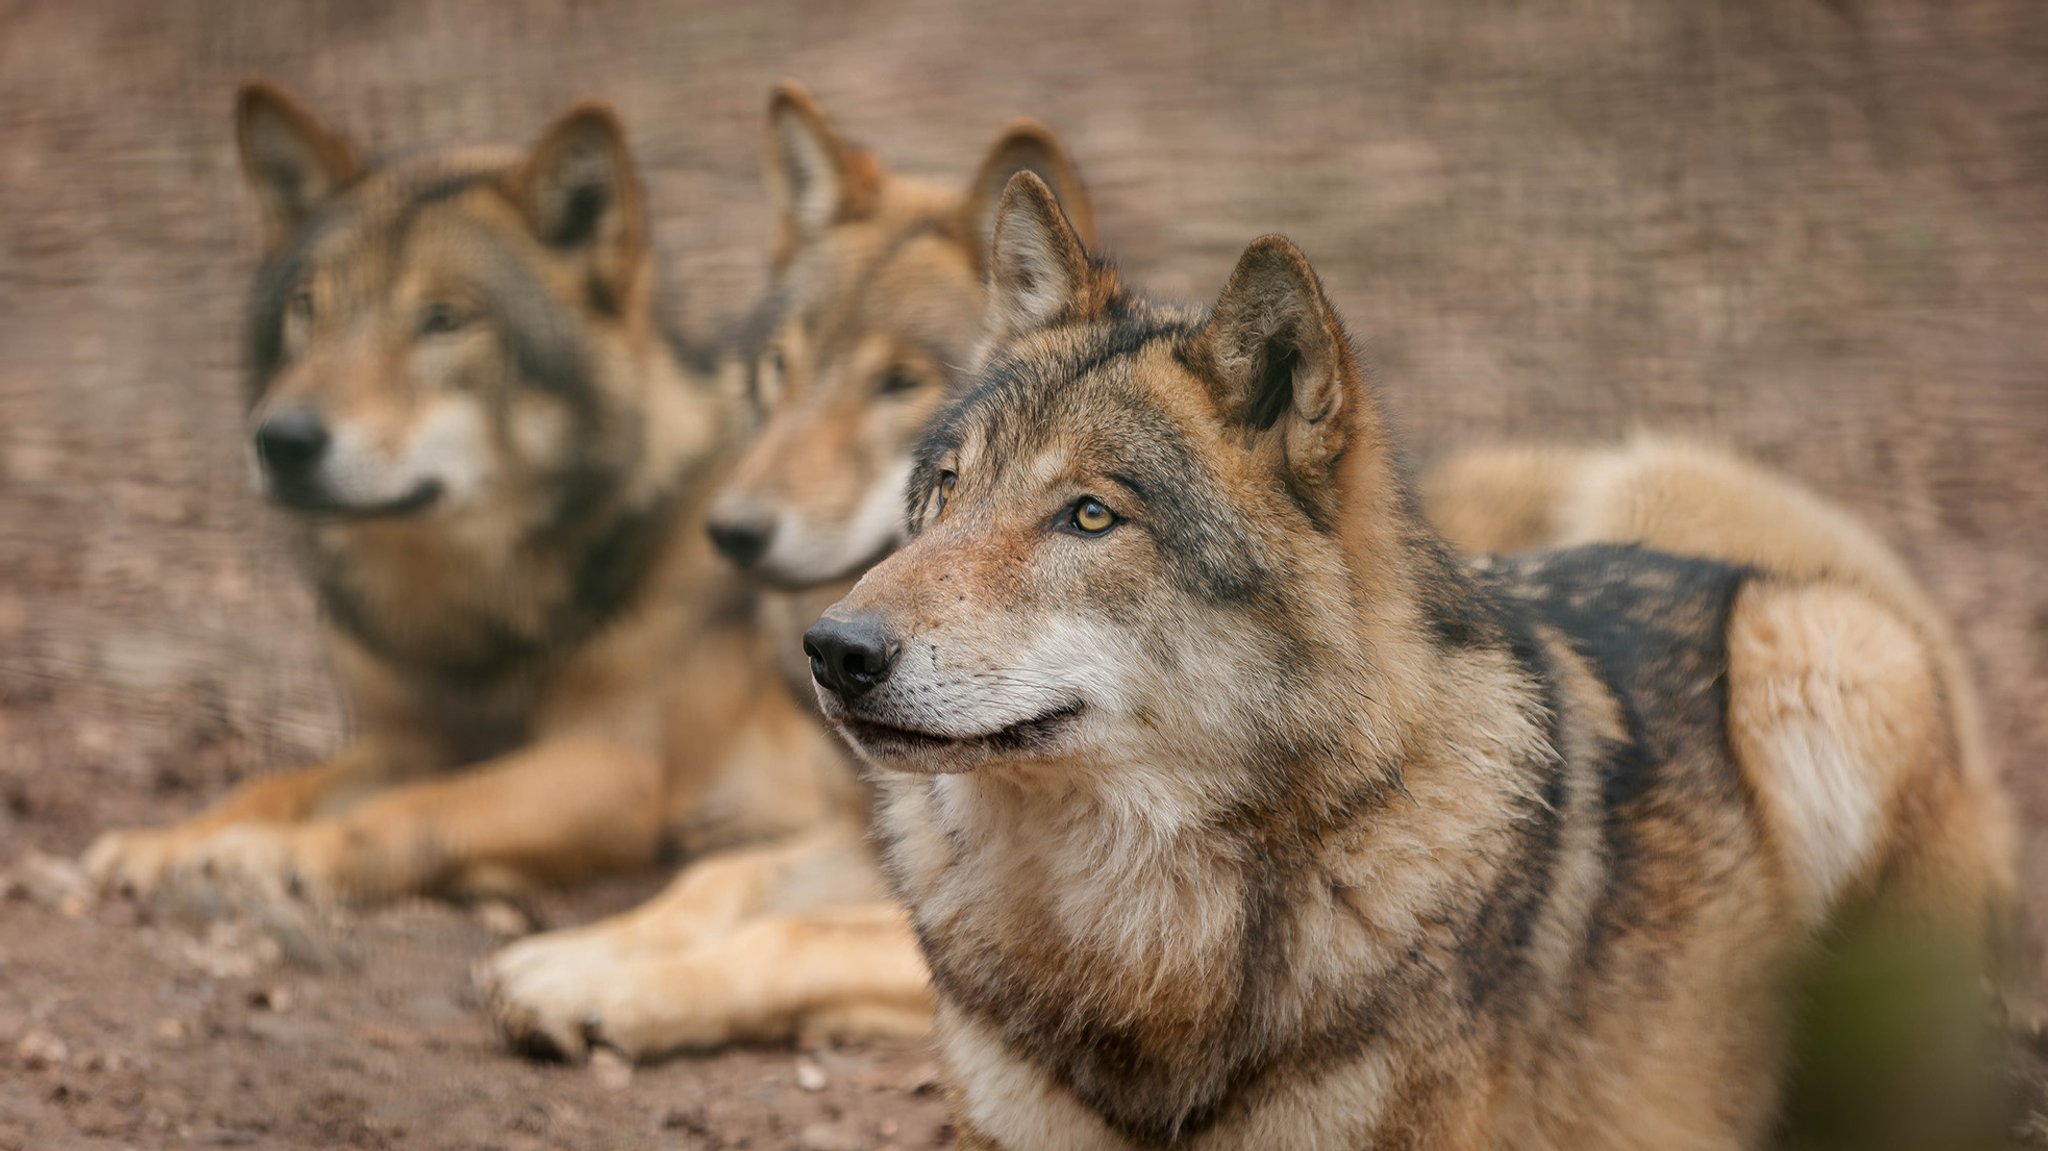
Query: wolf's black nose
[850, 654]
[291, 442]
[741, 539]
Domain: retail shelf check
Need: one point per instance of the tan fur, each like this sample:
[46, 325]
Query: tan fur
[876, 304]
[653, 718]
[1694, 499]
[1245, 817]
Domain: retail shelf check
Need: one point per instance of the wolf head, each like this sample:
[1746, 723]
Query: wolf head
[451, 334]
[1145, 536]
[870, 323]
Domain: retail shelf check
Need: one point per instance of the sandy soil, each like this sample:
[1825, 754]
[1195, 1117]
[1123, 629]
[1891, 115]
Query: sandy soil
[1815, 230]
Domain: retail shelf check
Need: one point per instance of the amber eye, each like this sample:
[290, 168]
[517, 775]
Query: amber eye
[896, 382]
[441, 318]
[943, 494]
[300, 306]
[1091, 518]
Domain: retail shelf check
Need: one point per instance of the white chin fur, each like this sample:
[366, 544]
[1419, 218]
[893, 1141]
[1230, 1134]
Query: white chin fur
[450, 446]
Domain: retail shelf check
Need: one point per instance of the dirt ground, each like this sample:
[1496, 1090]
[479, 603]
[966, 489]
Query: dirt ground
[1818, 231]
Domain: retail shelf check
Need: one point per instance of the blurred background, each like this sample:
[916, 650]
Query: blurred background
[1814, 229]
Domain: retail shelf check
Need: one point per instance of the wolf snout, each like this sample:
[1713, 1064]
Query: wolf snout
[741, 534]
[851, 654]
[291, 443]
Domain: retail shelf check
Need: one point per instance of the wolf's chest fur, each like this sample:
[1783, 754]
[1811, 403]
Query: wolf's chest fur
[1471, 920]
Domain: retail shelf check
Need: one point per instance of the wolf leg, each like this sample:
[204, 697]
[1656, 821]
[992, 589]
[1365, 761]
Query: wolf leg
[137, 861]
[543, 987]
[556, 812]
[841, 972]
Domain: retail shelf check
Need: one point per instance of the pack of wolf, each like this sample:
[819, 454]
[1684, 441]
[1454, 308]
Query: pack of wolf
[1077, 679]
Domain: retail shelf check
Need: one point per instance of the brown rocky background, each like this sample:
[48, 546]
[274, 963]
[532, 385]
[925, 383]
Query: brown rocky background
[1817, 230]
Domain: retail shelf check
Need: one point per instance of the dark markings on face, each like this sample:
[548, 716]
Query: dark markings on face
[542, 336]
[1029, 398]
[839, 315]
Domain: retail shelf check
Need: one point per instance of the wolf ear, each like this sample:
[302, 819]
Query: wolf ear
[815, 178]
[290, 161]
[581, 195]
[1038, 269]
[1024, 146]
[1278, 360]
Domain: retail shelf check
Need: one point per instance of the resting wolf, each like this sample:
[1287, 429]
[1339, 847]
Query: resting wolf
[1232, 811]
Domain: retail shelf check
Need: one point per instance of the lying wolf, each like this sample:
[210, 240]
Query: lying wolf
[1232, 811]
[496, 467]
[871, 317]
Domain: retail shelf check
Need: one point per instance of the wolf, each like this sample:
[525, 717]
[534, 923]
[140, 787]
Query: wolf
[1232, 810]
[495, 465]
[868, 325]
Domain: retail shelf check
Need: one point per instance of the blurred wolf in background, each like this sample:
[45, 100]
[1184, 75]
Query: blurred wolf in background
[1233, 811]
[871, 319]
[496, 465]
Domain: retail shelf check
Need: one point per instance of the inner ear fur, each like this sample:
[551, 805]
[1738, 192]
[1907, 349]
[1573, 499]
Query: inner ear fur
[581, 195]
[1277, 358]
[1039, 272]
[291, 161]
[1024, 146]
[815, 177]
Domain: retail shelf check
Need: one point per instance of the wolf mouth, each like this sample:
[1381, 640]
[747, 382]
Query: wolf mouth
[308, 501]
[889, 739]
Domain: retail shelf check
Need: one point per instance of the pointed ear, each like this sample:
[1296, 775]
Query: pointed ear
[1278, 361]
[290, 161]
[815, 178]
[1024, 146]
[582, 197]
[1039, 272]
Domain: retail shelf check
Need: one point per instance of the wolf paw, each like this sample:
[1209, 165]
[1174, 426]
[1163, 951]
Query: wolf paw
[550, 995]
[135, 863]
[272, 860]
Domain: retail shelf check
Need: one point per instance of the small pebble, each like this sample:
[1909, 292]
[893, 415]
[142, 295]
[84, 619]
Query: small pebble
[40, 1049]
[828, 1137]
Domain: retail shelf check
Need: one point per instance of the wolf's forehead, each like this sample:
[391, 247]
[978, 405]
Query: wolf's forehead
[366, 226]
[915, 283]
[1113, 396]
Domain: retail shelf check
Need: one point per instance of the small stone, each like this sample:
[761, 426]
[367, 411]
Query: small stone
[613, 1071]
[171, 1030]
[270, 999]
[810, 1076]
[40, 1049]
[828, 1137]
[109, 1062]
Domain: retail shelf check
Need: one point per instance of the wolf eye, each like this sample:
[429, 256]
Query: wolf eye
[440, 317]
[300, 306]
[943, 493]
[896, 382]
[1090, 517]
